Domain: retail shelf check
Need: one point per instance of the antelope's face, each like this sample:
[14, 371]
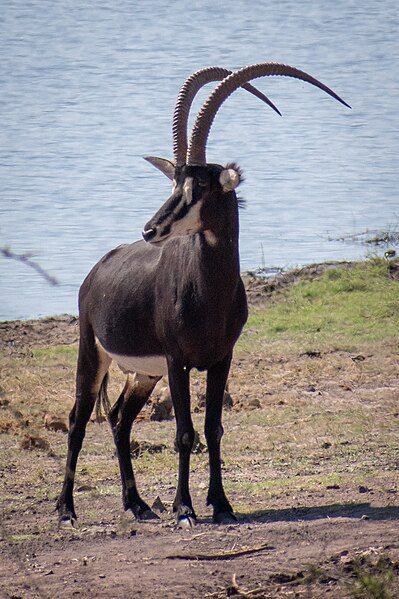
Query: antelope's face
[196, 191]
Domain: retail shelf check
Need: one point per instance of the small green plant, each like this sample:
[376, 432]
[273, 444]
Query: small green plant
[373, 581]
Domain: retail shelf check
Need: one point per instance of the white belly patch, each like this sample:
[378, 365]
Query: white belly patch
[150, 365]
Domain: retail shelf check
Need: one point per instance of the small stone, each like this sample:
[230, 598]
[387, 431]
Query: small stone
[31, 442]
[83, 488]
[49, 572]
[365, 517]
[137, 448]
[54, 423]
[254, 403]
[312, 354]
[162, 409]
[326, 445]
[101, 576]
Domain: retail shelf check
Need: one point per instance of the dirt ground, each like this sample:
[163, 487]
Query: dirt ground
[311, 458]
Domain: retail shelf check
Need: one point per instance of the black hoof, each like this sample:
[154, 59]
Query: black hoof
[186, 522]
[224, 518]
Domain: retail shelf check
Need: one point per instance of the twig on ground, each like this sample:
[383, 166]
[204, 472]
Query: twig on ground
[27, 259]
[233, 590]
[219, 555]
[201, 534]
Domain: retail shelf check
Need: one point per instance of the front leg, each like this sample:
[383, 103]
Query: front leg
[216, 383]
[179, 382]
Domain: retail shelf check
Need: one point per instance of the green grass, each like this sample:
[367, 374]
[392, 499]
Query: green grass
[65, 354]
[373, 581]
[342, 308]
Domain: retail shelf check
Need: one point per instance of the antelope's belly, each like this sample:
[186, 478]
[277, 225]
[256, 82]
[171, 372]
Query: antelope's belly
[152, 365]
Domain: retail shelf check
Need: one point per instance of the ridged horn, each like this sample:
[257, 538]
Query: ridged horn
[205, 118]
[187, 93]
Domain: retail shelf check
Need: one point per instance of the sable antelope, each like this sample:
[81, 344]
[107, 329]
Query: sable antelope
[170, 303]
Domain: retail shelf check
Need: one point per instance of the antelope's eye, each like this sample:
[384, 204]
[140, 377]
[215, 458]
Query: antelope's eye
[201, 183]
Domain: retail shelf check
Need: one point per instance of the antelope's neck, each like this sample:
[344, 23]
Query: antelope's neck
[218, 260]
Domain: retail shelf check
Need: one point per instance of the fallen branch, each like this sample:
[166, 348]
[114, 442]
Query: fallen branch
[235, 591]
[220, 555]
[27, 259]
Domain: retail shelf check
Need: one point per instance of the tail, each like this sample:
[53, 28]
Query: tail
[102, 401]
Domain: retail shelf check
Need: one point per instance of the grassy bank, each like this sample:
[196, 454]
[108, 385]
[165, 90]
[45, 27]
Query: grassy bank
[343, 308]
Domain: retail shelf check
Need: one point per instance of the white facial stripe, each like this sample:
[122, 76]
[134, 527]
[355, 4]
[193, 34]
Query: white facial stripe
[188, 190]
[173, 226]
[188, 224]
[171, 219]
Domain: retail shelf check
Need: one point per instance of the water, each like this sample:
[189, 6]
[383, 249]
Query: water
[87, 89]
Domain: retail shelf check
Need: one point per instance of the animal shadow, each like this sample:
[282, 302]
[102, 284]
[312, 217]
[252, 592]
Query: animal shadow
[335, 510]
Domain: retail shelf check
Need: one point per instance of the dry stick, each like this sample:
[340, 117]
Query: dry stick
[235, 590]
[222, 554]
[201, 534]
[27, 259]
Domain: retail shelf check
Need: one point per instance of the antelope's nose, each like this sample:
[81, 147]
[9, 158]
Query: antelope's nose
[148, 234]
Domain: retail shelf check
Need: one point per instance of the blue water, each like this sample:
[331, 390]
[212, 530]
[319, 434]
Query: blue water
[87, 89]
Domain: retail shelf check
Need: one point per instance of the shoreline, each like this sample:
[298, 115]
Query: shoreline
[258, 286]
[262, 292]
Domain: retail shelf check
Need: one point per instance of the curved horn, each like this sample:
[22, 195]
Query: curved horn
[203, 123]
[185, 99]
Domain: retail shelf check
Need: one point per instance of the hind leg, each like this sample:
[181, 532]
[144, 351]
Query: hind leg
[137, 390]
[92, 367]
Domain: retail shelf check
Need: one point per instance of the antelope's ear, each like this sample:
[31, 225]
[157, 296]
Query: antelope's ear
[167, 167]
[230, 177]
